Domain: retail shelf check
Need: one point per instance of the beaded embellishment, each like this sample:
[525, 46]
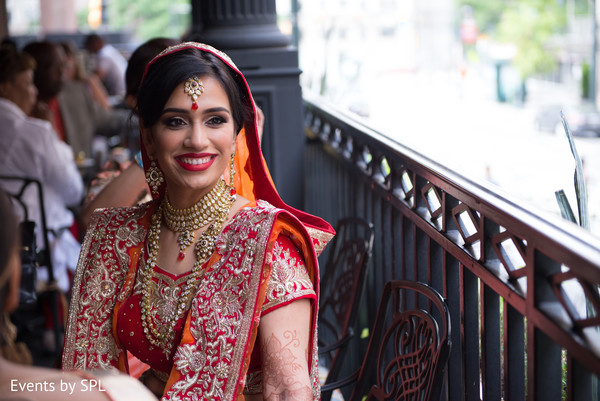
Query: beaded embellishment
[194, 88]
[220, 206]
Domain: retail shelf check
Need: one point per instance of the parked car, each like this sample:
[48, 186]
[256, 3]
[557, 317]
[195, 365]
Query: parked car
[583, 119]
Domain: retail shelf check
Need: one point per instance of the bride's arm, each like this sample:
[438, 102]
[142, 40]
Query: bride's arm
[284, 337]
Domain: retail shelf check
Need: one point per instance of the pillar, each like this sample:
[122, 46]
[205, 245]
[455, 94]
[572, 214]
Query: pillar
[247, 31]
[58, 16]
[3, 20]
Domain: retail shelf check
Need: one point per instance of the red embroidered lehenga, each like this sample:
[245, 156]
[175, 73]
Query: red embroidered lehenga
[265, 257]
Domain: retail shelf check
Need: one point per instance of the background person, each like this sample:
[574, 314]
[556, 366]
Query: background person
[32, 149]
[68, 102]
[108, 64]
[10, 279]
[49, 78]
[75, 71]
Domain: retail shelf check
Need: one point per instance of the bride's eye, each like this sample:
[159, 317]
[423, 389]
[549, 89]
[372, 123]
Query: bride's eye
[216, 121]
[174, 122]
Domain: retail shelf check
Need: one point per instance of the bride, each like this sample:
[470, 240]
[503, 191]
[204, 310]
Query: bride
[214, 283]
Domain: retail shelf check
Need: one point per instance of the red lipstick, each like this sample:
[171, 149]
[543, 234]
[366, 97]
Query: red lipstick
[196, 161]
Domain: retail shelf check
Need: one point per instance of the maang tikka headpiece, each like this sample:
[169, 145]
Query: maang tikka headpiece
[194, 88]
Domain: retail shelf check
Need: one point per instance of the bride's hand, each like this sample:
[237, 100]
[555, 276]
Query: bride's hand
[153, 383]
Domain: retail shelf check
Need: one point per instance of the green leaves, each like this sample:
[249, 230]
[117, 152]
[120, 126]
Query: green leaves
[150, 18]
[528, 24]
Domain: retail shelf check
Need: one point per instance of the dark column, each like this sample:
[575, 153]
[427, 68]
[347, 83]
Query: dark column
[3, 20]
[247, 31]
[239, 24]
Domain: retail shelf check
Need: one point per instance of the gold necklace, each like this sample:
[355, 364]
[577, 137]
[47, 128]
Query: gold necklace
[185, 221]
[203, 249]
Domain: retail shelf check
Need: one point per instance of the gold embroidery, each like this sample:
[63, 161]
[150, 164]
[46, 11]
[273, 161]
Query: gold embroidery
[289, 278]
[188, 359]
[223, 313]
[164, 304]
[316, 384]
[224, 309]
[102, 267]
[320, 238]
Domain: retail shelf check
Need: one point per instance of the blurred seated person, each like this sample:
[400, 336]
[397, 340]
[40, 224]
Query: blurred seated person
[10, 274]
[109, 65]
[75, 71]
[46, 384]
[32, 149]
[86, 110]
[49, 78]
[68, 103]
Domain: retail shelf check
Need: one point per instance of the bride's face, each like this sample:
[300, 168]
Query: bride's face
[193, 146]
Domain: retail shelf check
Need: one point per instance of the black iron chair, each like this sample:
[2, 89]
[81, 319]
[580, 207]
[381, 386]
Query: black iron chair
[341, 289]
[28, 318]
[408, 350]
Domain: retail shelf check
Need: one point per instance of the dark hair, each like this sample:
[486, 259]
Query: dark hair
[140, 58]
[48, 57]
[8, 240]
[43, 52]
[168, 71]
[13, 63]
[9, 42]
[92, 39]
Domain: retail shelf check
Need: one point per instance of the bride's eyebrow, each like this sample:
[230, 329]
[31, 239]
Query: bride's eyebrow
[207, 111]
[217, 109]
[173, 110]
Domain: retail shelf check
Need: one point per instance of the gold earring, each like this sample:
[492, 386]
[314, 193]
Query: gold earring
[232, 174]
[154, 178]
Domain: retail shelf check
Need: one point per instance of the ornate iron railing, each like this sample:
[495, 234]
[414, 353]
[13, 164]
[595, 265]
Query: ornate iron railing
[515, 282]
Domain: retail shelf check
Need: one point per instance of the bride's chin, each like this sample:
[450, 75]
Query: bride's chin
[200, 188]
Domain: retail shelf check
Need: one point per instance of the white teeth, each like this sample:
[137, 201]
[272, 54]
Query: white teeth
[195, 160]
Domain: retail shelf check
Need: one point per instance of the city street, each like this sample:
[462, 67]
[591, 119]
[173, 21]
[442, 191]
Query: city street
[456, 121]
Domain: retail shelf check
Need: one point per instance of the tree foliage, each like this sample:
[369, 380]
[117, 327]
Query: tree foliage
[150, 18]
[528, 24]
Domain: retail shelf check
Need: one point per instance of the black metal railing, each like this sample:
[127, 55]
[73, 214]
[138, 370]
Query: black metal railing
[517, 284]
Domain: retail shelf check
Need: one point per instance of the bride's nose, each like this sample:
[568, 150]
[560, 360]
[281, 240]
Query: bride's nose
[197, 137]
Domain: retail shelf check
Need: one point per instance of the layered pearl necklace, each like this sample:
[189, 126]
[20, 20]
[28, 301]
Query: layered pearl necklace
[212, 208]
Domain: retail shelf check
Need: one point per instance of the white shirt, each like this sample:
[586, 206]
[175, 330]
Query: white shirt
[113, 65]
[31, 148]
